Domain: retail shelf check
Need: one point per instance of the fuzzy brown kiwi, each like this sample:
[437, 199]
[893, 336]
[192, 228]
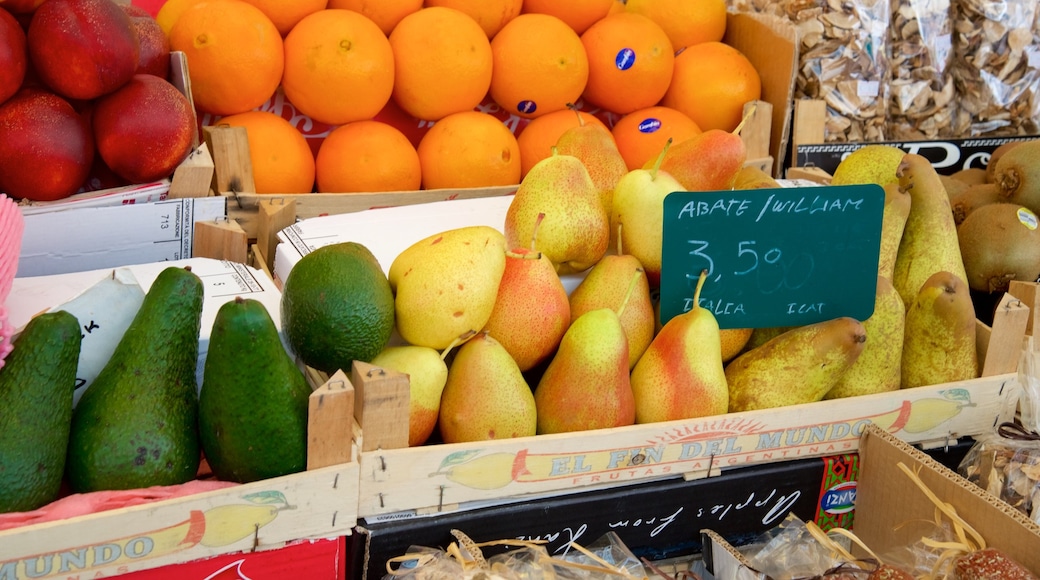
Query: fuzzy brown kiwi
[974, 197]
[991, 165]
[953, 185]
[1017, 173]
[1000, 242]
[971, 175]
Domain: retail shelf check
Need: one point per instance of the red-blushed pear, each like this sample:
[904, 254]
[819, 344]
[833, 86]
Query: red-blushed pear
[531, 311]
[605, 285]
[587, 385]
[639, 207]
[575, 232]
[427, 375]
[594, 145]
[680, 376]
[709, 161]
[486, 396]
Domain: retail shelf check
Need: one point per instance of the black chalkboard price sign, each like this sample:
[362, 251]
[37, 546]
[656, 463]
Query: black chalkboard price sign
[774, 257]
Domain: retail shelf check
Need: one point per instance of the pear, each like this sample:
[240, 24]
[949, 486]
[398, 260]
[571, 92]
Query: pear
[574, 234]
[485, 396]
[751, 177]
[929, 243]
[587, 384]
[877, 370]
[709, 161]
[594, 145]
[445, 285]
[532, 310]
[893, 221]
[798, 366]
[680, 376]
[873, 163]
[939, 336]
[734, 340]
[427, 374]
[639, 208]
[606, 285]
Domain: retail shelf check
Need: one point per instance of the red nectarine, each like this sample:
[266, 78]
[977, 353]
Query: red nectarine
[46, 149]
[13, 55]
[144, 129]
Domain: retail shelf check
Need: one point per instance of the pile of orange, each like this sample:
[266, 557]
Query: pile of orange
[650, 69]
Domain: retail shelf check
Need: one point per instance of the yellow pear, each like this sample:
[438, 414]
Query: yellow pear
[486, 396]
[427, 374]
[929, 243]
[893, 221]
[939, 336]
[877, 370]
[798, 366]
[606, 285]
[639, 210]
[874, 163]
[594, 145]
[445, 285]
[574, 234]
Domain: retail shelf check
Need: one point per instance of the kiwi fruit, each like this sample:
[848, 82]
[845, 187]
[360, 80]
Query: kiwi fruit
[953, 185]
[991, 165]
[1000, 242]
[973, 197]
[971, 175]
[1017, 173]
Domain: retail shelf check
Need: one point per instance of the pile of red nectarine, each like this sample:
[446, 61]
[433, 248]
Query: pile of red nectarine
[84, 97]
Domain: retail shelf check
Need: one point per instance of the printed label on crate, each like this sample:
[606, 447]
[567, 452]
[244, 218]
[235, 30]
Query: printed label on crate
[838, 492]
[222, 525]
[947, 157]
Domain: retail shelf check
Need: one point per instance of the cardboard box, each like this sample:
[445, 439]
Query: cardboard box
[808, 149]
[886, 498]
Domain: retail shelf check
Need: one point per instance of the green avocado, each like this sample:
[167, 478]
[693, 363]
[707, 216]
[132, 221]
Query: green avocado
[253, 404]
[137, 423]
[36, 384]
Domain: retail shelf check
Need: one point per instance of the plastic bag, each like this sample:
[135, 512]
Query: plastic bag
[922, 103]
[1007, 464]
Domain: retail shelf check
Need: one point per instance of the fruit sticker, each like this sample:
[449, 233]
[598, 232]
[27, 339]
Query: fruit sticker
[1027, 218]
[716, 443]
[626, 57]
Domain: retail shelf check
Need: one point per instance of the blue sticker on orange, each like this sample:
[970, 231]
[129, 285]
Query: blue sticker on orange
[649, 125]
[526, 107]
[625, 59]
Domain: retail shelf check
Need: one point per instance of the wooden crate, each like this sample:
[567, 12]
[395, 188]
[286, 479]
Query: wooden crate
[318, 503]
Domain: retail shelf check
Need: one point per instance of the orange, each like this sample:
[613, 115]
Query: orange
[367, 156]
[539, 66]
[537, 139]
[711, 83]
[630, 62]
[234, 55]
[469, 149]
[641, 135]
[442, 63]
[385, 13]
[170, 11]
[491, 15]
[686, 22]
[339, 67]
[284, 14]
[578, 14]
[281, 158]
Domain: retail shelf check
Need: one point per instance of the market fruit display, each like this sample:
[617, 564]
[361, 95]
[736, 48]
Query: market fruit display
[253, 399]
[36, 384]
[137, 423]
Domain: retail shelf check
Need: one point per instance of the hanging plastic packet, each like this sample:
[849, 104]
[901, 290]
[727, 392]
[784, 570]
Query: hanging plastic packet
[922, 103]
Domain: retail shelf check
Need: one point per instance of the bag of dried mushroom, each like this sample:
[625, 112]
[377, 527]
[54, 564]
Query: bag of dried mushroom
[996, 67]
[921, 86]
[843, 60]
[1007, 464]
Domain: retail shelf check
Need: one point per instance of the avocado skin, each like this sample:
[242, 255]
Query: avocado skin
[137, 424]
[36, 385]
[254, 399]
